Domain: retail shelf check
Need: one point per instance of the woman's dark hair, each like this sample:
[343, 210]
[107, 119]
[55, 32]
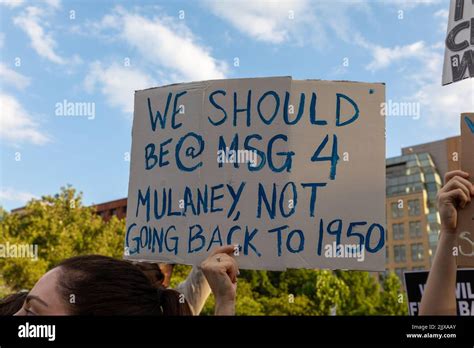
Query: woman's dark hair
[153, 272]
[101, 285]
[12, 303]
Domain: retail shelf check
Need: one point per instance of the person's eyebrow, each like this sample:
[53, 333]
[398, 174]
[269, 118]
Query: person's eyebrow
[33, 297]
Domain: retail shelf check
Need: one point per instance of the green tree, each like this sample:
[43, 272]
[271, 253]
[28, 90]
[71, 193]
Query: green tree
[3, 213]
[301, 292]
[298, 281]
[283, 304]
[331, 292]
[393, 300]
[364, 293]
[261, 282]
[61, 226]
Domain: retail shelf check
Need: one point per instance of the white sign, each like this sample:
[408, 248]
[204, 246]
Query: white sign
[459, 52]
[291, 172]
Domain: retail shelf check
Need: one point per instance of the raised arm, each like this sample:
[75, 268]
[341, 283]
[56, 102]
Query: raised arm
[221, 271]
[195, 289]
[439, 297]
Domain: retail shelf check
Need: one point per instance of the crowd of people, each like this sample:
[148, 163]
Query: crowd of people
[101, 285]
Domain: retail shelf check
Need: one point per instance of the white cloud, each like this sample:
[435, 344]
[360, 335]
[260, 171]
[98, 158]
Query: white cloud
[11, 195]
[296, 21]
[16, 126]
[109, 21]
[117, 83]
[382, 57]
[443, 13]
[167, 44]
[263, 20]
[300, 21]
[53, 3]
[13, 78]
[443, 16]
[163, 44]
[11, 3]
[441, 105]
[41, 41]
[427, 55]
[17, 3]
[408, 4]
[173, 46]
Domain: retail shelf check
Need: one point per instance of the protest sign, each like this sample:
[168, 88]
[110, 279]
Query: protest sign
[415, 283]
[459, 51]
[292, 172]
[465, 226]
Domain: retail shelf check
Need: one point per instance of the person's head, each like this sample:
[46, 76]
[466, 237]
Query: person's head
[159, 274]
[100, 285]
[153, 273]
[12, 303]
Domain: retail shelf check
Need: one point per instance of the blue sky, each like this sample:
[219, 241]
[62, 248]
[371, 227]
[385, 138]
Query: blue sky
[100, 52]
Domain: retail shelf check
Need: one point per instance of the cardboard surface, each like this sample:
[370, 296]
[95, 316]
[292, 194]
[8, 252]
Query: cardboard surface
[466, 216]
[338, 204]
[459, 45]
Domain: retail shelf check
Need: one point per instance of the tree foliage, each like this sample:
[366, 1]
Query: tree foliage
[62, 227]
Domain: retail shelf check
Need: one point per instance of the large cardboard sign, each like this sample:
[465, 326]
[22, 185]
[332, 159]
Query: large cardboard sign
[290, 172]
[415, 283]
[465, 226]
[459, 51]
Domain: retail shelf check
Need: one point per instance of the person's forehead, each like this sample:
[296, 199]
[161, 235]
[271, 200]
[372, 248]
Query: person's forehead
[46, 288]
[47, 281]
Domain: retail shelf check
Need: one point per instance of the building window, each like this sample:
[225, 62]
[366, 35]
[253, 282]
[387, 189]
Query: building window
[112, 212]
[396, 211]
[432, 187]
[418, 268]
[434, 227]
[386, 254]
[415, 229]
[414, 207]
[417, 252]
[434, 217]
[399, 252]
[398, 232]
